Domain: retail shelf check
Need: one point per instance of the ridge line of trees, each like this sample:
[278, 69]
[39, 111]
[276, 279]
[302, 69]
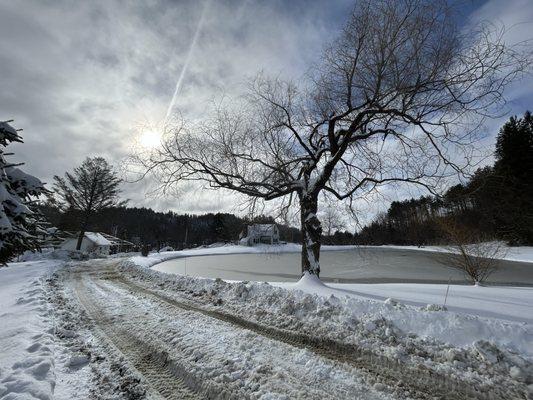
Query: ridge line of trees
[159, 229]
[496, 203]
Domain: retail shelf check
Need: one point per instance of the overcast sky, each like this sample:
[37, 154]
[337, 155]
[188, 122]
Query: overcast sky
[81, 77]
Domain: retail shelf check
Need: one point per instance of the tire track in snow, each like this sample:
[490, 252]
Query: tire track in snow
[114, 294]
[421, 382]
[162, 374]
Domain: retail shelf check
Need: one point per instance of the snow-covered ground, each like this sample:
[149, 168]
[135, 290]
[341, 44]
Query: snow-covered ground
[499, 315]
[34, 361]
[26, 337]
[455, 344]
[502, 315]
[50, 349]
[507, 303]
[203, 356]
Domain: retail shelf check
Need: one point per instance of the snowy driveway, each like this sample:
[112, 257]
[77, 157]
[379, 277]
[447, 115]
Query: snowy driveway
[145, 335]
[183, 351]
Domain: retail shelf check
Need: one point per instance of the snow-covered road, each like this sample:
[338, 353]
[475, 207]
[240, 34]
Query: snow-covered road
[112, 329]
[183, 350]
[145, 334]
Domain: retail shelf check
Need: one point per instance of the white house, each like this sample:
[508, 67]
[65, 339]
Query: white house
[93, 242]
[259, 233]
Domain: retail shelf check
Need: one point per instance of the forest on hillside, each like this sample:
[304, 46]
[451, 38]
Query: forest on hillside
[158, 229]
[144, 225]
[496, 203]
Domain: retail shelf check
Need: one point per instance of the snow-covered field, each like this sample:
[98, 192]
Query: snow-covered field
[499, 315]
[55, 334]
[506, 303]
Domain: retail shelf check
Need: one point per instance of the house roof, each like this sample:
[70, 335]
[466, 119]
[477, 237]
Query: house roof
[116, 241]
[100, 238]
[97, 239]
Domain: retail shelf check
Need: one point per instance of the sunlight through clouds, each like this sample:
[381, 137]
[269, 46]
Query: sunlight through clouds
[150, 139]
[86, 77]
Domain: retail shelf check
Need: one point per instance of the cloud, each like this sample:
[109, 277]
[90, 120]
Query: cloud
[80, 77]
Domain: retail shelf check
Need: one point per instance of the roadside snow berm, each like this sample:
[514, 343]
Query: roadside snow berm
[309, 281]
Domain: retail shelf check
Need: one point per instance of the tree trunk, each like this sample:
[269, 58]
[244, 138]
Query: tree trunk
[311, 234]
[82, 231]
[80, 239]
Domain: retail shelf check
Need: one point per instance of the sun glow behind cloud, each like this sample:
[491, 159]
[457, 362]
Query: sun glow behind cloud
[74, 75]
[150, 139]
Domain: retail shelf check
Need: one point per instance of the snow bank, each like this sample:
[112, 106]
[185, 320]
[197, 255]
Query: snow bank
[506, 303]
[49, 254]
[35, 361]
[510, 310]
[26, 339]
[501, 315]
[455, 344]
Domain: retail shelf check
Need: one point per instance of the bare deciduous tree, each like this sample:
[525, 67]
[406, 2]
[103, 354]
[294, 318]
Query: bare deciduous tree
[92, 187]
[391, 100]
[469, 251]
[332, 220]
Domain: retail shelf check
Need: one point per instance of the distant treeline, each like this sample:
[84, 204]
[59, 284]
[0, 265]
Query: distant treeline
[144, 225]
[497, 202]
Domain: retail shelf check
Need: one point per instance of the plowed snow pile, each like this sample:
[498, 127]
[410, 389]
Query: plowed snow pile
[472, 348]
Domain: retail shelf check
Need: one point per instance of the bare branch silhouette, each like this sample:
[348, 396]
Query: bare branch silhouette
[397, 98]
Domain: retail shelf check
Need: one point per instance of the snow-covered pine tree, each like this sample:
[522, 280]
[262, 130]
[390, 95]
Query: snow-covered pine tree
[19, 225]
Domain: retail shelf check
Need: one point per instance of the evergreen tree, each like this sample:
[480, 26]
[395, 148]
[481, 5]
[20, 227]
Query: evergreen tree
[497, 202]
[514, 169]
[19, 224]
[514, 149]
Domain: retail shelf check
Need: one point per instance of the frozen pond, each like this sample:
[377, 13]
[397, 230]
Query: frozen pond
[363, 265]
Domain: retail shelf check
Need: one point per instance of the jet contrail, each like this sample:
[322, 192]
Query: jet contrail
[187, 60]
